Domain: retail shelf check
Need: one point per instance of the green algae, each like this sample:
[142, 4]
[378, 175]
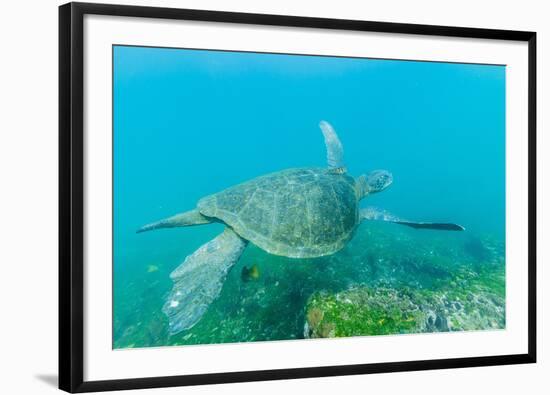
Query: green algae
[467, 302]
[362, 311]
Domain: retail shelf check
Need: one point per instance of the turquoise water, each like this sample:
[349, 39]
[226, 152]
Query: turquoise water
[190, 123]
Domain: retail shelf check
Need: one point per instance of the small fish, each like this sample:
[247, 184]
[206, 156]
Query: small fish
[152, 268]
[252, 273]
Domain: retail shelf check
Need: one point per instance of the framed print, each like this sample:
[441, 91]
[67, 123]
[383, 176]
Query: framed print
[257, 197]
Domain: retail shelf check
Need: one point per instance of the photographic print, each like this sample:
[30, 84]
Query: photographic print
[264, 197]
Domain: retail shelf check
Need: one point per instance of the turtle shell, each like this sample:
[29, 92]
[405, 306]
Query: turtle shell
[298, 213]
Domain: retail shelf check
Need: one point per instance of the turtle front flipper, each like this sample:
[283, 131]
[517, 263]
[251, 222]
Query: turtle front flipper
[198, 280]
[189, 218]
[374, 214]
[335, 150]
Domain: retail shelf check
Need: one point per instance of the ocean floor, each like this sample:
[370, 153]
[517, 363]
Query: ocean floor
[387, 280]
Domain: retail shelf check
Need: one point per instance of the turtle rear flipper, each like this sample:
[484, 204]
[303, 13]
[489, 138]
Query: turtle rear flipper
[189, 218]
[198, 280]
[374, 214]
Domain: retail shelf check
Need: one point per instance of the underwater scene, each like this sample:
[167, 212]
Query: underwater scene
[261, 197]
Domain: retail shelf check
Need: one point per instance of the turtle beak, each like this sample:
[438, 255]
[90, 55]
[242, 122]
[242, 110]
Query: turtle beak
[389, 180]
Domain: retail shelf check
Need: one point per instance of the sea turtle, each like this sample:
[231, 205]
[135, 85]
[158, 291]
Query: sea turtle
[297, 213]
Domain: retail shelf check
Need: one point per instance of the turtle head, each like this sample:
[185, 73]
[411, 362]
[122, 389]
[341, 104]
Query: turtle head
[373, 182]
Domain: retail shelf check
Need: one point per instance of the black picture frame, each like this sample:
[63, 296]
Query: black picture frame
[71, 195]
